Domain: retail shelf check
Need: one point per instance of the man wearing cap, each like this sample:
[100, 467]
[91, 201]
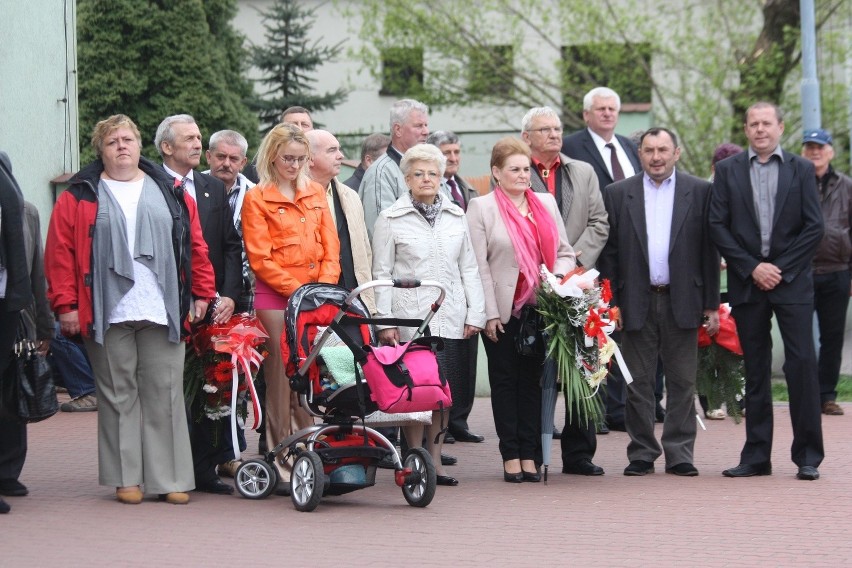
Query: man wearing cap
[832, 280]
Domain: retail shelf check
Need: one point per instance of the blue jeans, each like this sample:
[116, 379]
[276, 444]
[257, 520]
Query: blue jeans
[70, 361]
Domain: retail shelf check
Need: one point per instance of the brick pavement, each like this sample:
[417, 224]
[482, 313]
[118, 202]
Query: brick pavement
[657, 520]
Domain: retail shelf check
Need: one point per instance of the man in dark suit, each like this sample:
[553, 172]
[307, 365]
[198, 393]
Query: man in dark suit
[372, 148]
[613, 157]
[765, 219]
[178, 140]
[16, 295]
[665, 275]
[462, 385]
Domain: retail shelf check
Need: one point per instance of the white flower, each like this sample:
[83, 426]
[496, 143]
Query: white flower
[210, 388]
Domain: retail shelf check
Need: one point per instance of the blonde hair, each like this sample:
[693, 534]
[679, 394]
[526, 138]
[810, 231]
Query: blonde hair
[423, 153]
[108, 125]
[280, 136]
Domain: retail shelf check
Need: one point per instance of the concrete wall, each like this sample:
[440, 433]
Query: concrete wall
[38, 94]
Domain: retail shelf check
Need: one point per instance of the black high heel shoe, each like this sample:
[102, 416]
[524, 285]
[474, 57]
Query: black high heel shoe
[534, 476]
[512, 477]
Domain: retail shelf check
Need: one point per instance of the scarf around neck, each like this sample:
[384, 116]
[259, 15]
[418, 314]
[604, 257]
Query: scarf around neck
[429, 212]
[531, 241]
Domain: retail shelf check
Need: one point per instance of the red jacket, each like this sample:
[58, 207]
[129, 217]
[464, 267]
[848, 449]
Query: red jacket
[68, 250]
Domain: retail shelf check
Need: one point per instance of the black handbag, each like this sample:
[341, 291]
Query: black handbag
[529, 340]
[28, 391]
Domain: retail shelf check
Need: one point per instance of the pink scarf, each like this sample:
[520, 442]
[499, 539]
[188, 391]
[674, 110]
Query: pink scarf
[531, 241]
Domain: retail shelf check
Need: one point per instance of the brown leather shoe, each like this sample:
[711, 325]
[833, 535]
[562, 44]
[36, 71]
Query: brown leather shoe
[129, 495]
[832, 408]
[175, 498]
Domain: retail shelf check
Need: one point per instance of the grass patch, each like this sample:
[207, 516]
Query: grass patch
[844, 389]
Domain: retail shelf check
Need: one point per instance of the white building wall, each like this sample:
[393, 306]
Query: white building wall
[38, 94]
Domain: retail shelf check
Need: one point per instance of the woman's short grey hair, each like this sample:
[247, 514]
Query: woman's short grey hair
[231, 137]
[401, 109]
[165, 132]
[423, 153]
[548, 112]
[603, 93]
[441, 137]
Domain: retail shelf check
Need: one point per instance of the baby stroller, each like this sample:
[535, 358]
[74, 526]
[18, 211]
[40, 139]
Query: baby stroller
[341, 454]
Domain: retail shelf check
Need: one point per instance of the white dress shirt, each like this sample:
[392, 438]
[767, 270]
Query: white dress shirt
[626, 164]
[659, 204]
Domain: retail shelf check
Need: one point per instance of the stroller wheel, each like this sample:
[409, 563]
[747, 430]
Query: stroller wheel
[307, 481]
[423, 480]
[256, 479]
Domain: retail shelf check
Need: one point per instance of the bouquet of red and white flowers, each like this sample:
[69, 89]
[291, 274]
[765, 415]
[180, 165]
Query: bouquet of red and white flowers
[225, 361]
[577, 323]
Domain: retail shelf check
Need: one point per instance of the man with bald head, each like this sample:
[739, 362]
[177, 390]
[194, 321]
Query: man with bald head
[356, 258]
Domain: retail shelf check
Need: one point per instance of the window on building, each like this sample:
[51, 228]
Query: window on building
[491, 71]
[621, 67]
[402, 71]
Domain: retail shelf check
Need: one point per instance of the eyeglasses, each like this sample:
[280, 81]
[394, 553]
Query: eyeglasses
[547, 130]
[419, 175]
[293, 160]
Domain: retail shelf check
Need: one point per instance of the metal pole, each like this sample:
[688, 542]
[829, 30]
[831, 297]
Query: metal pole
[811, 114]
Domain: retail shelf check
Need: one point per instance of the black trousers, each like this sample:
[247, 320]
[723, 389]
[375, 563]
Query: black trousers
[13, 434]
[831, 298]
[463, 383]
[753, 325]
[515, 396]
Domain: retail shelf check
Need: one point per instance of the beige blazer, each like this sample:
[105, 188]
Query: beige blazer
[495, 254]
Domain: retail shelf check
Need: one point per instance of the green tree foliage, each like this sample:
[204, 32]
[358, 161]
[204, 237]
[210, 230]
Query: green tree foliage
[287, 61]
[700, 64]
[150, 59]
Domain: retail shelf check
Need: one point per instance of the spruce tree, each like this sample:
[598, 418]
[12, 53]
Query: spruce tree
[151, 59]
[287, 61]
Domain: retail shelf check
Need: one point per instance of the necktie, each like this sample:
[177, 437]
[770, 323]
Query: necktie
[617, 172]
[457, 196]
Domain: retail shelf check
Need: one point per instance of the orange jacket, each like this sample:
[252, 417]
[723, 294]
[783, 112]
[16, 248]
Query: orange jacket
[290, 243]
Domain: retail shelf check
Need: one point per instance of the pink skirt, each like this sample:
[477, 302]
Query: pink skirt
[265, 298]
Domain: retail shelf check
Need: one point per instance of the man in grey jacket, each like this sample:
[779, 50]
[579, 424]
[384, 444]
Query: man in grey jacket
[832, 262]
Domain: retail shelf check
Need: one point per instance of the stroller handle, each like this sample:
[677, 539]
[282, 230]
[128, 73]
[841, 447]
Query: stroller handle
[400, 283]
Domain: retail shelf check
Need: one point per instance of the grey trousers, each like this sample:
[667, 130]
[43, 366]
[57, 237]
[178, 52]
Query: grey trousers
[143, 436]
[678, 349]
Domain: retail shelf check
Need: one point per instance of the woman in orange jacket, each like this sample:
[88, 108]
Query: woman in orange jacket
[290, 240]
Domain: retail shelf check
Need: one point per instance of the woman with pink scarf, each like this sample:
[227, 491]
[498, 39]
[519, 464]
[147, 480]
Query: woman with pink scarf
[514, 231]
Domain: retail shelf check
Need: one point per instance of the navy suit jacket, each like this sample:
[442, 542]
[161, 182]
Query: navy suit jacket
[580, 146]
[693, 260]
[217, 226]
[797, 229]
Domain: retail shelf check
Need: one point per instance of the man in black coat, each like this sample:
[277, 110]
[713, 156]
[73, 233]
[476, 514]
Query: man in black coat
[665, 277]
[765, 219]
[178, 140]
[613, 157]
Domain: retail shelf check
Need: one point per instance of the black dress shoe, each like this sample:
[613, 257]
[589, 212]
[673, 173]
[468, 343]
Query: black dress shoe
[215, 486]
[513, 477]
[4, 507]
[448, 460]
[283, 488]
[12, 488]
[619, 426]
[447, 480]
[638, 468]
[582, 467]
[533, 476]
[603, 429]
[683, 469]
[749, 470]
[557, 435]
[449, 438]
[468, 436]
[808, 473]
[660, 413]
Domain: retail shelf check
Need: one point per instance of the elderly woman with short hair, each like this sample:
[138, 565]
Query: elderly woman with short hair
[124, 260]
[423, 235]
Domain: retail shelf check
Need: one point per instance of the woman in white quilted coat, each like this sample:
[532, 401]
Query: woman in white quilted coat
[424, 235]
